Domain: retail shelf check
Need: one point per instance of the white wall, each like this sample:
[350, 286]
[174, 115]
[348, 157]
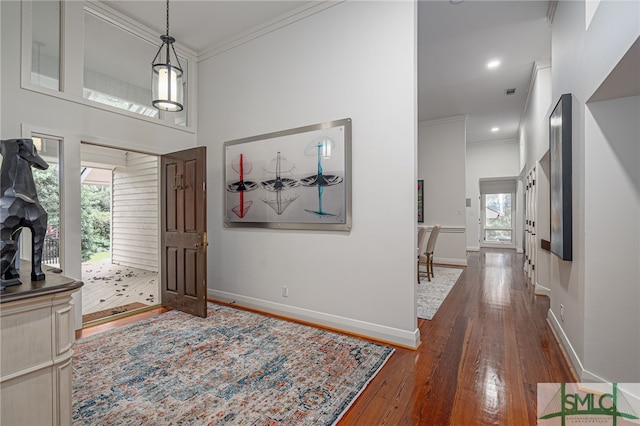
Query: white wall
[534, 152]
[534, 132]
[612, 239]
[543, 226]
[596, 286]
[487, 160]
[357, 60]
[25, 111]
[441, 163]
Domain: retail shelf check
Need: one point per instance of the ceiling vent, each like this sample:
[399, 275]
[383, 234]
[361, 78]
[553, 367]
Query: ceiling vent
[508, 92]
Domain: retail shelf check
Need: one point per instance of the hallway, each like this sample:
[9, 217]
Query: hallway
[480, 359]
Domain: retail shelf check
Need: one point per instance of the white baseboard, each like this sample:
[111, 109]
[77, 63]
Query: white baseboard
[583, 374]
[566, 344]
[450, 261]
[589, 377]
[375, 331]
[473, 248]
[542, 290]
[519, 250]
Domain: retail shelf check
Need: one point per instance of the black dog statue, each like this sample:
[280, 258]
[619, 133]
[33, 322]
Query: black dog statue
[19, 208]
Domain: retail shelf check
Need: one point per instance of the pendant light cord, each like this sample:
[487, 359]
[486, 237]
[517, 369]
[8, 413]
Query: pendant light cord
[168, 42]
[167, 18]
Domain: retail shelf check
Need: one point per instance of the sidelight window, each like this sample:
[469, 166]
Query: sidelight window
[48, 187]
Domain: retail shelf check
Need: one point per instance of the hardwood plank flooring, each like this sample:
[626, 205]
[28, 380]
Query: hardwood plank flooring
[480, 359]
[95, 329]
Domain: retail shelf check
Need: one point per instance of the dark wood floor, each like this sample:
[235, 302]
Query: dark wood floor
[480, 358]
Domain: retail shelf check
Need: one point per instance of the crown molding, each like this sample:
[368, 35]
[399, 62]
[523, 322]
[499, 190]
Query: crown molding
[495, 142]
[445, 120]
[551, 11]
[268, 27]
[103, 11]
[537, 67]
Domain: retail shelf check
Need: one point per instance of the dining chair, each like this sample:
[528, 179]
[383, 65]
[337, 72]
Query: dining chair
[426, 258]
[422, 232]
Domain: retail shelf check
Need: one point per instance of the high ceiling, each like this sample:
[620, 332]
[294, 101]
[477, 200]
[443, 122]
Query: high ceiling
[456, 40]
[455, 43]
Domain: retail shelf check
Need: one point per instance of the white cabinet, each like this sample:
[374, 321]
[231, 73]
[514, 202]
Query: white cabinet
[36, 338]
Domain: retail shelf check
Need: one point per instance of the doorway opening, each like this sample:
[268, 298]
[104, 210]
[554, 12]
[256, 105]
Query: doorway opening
[119, 232]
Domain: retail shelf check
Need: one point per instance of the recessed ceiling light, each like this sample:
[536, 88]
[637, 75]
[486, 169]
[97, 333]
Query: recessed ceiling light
[493, 64]
[495, 129]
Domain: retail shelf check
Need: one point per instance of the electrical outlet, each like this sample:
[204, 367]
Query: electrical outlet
[561, 312]
[285, 291]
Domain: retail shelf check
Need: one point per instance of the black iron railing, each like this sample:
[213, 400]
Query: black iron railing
[51, 250]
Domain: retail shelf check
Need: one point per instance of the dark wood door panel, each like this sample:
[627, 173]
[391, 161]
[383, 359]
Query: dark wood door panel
[171, 264]
[170, 204]
[191, 272]
[190, 197]
[184, 230]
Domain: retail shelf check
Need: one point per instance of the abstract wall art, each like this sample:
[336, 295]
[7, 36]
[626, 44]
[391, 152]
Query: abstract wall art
[560, 178]
[293, 179]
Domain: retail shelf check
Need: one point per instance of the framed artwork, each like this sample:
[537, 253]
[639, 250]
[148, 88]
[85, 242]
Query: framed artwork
[293, 179]
[560, 178]
[421, 201]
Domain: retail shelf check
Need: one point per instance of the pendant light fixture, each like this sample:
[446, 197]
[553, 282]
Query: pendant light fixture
[166, 75]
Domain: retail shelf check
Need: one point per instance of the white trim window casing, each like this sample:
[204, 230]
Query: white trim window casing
[71, 63]
[49, 188]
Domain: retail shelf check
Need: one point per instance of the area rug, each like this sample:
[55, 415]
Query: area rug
[234, 367]
[94, 316]
[432, 293]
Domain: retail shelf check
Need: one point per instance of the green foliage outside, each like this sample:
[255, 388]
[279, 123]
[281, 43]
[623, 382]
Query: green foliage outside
[498, 215]
[48, 189]
[103, 256]
[95, 220]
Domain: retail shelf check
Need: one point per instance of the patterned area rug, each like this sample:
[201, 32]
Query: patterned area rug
[234, 367]
[432, 293]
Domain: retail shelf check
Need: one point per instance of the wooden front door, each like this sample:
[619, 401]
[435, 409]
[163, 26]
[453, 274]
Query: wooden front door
[184, 231]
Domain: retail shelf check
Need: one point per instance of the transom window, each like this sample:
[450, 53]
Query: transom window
[45, 44]
[116, 64]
